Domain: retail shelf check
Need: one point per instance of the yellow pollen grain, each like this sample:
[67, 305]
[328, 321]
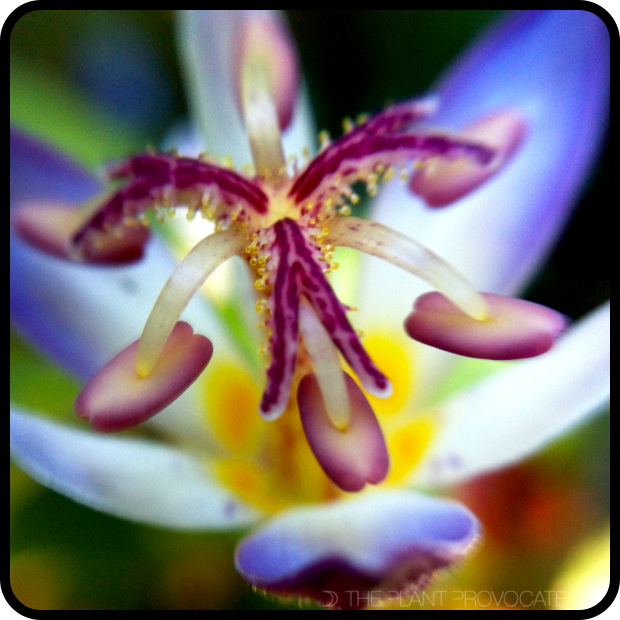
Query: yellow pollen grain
[389, 174]
[324, 139]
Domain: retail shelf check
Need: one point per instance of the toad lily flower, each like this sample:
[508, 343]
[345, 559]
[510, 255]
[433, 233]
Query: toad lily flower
[513, 103]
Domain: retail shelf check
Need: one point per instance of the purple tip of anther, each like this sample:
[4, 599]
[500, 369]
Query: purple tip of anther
[513, 329]
[444, 182]
[50, 227]
[116, 398]
[351, 457]
[266, 36]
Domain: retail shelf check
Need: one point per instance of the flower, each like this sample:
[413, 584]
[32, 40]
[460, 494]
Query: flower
[388, 539]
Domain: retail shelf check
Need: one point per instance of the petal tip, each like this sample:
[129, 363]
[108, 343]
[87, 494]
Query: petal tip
[50, 227]
[441, 183]
[350, 458]
[117, 398]
[264, 36]
[376, 545]
[514, 328]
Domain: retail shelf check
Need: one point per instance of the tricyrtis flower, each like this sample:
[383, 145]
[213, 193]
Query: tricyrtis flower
[287, 227]
[285, 221]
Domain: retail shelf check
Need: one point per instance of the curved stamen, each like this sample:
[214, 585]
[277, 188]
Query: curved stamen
[186, 279]
[326, 366]
[379, 240]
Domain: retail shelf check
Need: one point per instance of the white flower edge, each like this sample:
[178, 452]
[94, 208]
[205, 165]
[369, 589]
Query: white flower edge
[515, 412]
[130, 478]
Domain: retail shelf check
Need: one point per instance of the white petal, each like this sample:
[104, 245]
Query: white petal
[207, 49]
[514, 413]
[134, 479]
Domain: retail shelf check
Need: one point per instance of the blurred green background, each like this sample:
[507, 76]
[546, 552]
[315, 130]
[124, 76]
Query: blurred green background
[102, 84]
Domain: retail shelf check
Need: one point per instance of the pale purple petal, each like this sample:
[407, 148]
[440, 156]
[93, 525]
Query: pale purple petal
[381, 543]
[517, 411]
[553, 68]
[130, 478]
[208, 47]
[38, 172]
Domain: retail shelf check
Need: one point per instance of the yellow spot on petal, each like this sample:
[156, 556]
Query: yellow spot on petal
[282, 473]
[406, 445]
[252, 484]
[395, 362]
[232, 400]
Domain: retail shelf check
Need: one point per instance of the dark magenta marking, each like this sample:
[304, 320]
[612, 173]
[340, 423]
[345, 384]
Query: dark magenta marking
[321, 170]
[299, 273]
[393, 118]
[149, 175]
